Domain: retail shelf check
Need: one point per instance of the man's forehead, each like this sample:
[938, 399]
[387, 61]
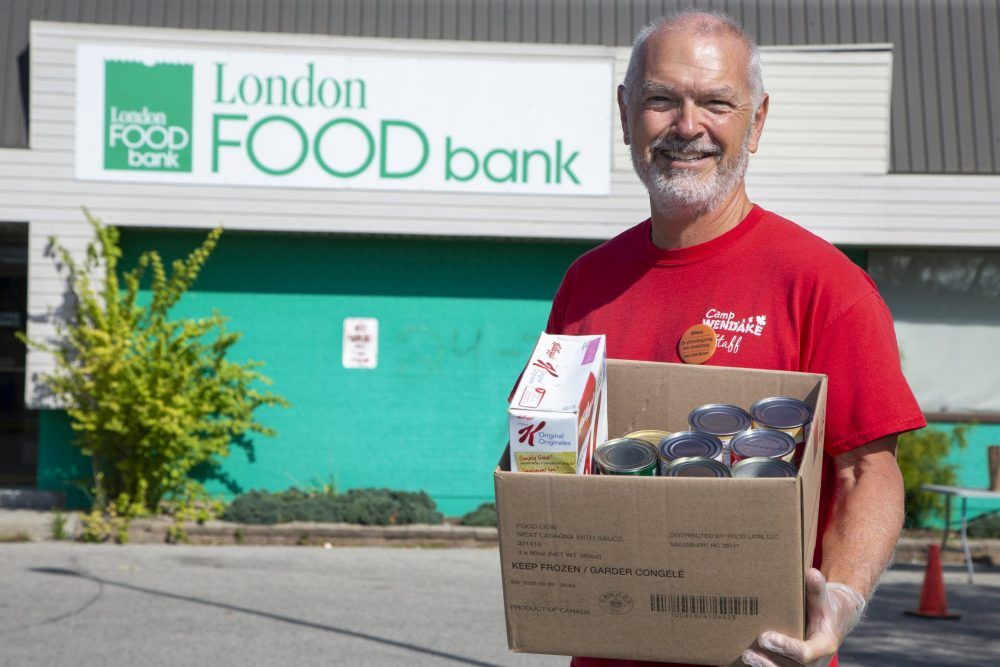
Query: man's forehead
[717, 55]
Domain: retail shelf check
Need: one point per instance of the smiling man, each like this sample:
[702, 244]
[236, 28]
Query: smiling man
[693, 108]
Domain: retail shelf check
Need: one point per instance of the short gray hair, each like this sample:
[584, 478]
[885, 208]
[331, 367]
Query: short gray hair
[707, 22]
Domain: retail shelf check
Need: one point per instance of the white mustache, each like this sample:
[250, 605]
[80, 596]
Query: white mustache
[675, 145]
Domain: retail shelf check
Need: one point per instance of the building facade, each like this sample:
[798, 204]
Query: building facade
[883, 138]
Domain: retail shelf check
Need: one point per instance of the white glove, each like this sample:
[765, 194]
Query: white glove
[832, 611]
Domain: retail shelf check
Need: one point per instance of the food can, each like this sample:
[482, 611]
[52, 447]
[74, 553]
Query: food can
[762, 467]
[761, 443]
[652, 436]
[687, 444]
[695, 466]
[781, 413]
[626, 456]
[721, 420]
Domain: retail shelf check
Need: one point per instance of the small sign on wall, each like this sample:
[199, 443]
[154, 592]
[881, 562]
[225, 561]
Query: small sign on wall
[360, 342]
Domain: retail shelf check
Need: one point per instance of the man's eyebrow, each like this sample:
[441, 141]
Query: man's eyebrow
[652, 87]
[722, 92]
[725, 92]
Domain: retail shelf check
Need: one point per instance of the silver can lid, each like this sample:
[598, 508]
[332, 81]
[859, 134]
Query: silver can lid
[625, 455]
[761, 467]
[685, 444]
[696, 466]
[764, 443]
[781, 412]
[719, 419]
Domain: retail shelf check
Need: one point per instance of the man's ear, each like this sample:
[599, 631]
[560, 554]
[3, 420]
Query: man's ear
[623, 110]
[758, 122]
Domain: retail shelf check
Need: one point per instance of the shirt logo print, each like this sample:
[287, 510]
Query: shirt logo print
[729, 329]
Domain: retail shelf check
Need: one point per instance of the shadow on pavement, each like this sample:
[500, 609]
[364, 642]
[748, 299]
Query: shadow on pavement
[262, 614]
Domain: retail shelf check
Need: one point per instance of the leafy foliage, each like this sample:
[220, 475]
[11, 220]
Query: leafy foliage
[986, 527]
[191, 505]
[377, 507]
[149, 398]
[484, 515]
[59, 521]
[922, 457]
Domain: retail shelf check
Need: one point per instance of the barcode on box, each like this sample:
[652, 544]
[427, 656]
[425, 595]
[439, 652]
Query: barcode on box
[705, 605]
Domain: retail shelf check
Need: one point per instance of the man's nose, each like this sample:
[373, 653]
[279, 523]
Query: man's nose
[689, 122]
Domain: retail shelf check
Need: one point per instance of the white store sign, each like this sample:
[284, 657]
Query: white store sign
[360, 342]
[423, 122]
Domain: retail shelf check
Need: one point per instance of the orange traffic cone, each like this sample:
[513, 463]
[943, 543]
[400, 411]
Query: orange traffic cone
[933, 603]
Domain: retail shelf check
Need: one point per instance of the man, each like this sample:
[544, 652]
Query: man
[693, 109]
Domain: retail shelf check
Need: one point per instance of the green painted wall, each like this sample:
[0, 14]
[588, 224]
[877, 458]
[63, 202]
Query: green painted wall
[972, 468]
[61, 466]
[457, 320]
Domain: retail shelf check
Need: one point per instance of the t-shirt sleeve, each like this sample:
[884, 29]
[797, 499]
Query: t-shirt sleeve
[868, 398]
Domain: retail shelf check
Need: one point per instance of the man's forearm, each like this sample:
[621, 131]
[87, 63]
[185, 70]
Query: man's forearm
[866, 516]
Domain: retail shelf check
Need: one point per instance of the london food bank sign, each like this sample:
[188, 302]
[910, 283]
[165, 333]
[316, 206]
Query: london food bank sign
[393, 122]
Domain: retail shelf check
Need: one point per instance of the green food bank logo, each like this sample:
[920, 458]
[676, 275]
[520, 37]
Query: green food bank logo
[147, 111]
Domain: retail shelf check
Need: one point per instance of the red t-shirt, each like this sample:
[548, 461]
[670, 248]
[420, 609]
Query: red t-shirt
[778, 298]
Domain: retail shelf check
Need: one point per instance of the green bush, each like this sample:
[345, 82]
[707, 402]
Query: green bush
[985, 527]
[373, 507]
[484, 515]
[149, 397]
[922, 457]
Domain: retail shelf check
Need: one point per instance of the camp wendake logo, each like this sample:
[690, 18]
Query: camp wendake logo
[148, 111]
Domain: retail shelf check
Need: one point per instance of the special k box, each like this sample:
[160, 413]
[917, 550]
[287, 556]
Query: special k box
[557, 413]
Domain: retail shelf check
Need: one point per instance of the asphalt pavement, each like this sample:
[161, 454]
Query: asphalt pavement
[86, 605]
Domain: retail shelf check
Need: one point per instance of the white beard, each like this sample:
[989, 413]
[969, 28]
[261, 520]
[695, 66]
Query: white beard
[683, 189]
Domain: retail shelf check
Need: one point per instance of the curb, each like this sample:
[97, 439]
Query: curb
[913, 551]
[26, 525]
[36, 526]
[154, 531]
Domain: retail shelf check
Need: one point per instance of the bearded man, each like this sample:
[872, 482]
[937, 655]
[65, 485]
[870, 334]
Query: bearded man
[693, 109]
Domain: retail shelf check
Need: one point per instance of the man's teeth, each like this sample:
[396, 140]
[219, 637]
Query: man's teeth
[685, 157]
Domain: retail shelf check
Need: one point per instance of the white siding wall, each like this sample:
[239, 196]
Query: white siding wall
[822, 163]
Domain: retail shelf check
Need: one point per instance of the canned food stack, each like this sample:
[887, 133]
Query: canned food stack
[723, 441]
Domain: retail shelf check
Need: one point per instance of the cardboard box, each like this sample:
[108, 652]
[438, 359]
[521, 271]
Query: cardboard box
[667, 569]
[557, 415]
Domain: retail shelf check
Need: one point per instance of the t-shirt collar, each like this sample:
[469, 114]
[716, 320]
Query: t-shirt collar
[697, 253]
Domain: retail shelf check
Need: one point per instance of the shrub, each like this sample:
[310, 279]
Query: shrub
[380, 507]
[922, 459]
[59, 521]
[986, 527]
[149, 397]
[484, 515]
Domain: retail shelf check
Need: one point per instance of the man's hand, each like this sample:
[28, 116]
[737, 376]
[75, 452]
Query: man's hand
[832, 609]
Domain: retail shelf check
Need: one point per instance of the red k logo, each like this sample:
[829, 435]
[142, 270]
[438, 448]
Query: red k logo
[547, 367]
[528, 433]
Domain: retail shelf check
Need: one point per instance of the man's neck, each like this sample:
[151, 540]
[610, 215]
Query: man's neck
[682, 229]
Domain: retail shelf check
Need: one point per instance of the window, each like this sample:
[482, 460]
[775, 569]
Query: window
[946, 305]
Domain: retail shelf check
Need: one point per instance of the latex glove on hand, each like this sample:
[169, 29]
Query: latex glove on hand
[832, 610]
